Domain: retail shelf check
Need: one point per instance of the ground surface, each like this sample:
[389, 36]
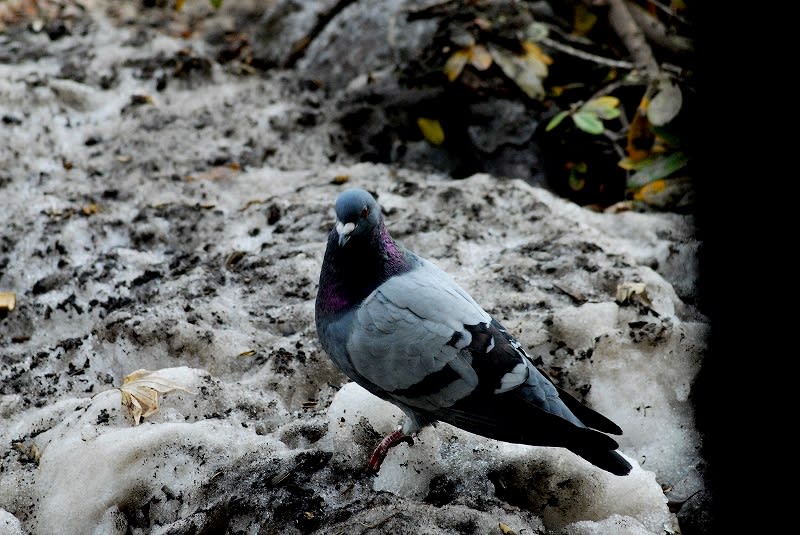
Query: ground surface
[166, 209]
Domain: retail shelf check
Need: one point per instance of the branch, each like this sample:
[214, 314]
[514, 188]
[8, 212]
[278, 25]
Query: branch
[657, 33]
[632, 36]
[572, 51]
[669, 11]
[601, 60]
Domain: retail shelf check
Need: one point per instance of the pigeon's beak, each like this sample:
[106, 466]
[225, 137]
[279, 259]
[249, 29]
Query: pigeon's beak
[344, 230]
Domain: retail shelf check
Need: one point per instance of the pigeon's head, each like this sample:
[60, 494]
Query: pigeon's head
[357, 214]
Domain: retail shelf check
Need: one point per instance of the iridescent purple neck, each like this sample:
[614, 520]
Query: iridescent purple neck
[352, 272]
[395, 259]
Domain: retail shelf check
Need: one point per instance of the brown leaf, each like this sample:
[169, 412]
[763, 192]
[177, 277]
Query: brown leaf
[140, 391]
[627, 292]
[640, 138]
[506, 529]
[8, 300]
[90, 209]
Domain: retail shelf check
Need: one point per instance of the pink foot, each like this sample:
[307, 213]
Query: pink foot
[389, 441]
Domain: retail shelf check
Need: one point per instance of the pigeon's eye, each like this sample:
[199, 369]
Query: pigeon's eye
[364, 212]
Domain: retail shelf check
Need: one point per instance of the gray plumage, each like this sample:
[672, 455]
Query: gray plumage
[406, 331]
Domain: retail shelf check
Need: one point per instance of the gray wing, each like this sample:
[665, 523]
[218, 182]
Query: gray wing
[416, 337]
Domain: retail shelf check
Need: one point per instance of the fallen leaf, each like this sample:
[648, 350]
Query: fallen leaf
[432, 130]
[179, 4]
[506, 529]
[8, 301]
[340, 179]
[627, 291]
[248, 353]
[28, 449]
[234, 258]
[250, 203]
[90, 209]
[619, 207]
[219, 172]
[140, 391]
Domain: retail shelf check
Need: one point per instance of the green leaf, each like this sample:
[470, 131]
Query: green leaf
[555, 121]
[657, 169]
[216, 3]
[589, 122]
[667, 193]
[576, 180]
[605, 107]
[609, 113]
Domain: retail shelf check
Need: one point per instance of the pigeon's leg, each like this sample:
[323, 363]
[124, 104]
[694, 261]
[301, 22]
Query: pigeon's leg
[389, 441]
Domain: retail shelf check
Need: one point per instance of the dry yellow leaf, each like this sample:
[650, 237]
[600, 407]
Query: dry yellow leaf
[480, 58]
[506, 530]
[527, 70]
[250, 203]
[179, 4]
[340, 179]
[606, 101]
[628, 290]
[533, 50]
[90, 209]
[8, 300]
[432, 130]
[455, 63]
[140, 391]
[583, 20]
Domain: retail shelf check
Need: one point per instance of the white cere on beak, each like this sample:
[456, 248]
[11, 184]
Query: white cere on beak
[344, 230]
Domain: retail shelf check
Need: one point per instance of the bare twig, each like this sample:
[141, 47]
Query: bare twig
[657, 33]
[632, 36]
[586, 55]
[669, 11]
[614, 138]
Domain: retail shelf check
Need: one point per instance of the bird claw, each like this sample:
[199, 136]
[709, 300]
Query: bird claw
[389, 441]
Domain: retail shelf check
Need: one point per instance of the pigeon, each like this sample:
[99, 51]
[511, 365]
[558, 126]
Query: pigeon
[404, 330]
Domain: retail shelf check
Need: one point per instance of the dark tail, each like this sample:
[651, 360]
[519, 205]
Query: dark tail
[608, 460]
